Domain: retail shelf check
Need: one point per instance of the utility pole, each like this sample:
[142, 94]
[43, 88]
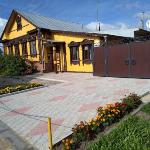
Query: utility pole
[99, 27]
[142, 20]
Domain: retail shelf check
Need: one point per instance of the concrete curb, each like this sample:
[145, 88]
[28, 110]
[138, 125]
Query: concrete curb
[22, 91]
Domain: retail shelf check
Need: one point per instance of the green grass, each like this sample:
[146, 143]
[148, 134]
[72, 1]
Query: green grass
[146, 108]
[132, 133]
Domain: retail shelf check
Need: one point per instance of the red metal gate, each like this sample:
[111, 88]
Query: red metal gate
[123, 60]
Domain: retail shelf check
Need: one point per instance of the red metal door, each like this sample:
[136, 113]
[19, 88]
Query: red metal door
[140, 59]
[98, 62]
[118, 60]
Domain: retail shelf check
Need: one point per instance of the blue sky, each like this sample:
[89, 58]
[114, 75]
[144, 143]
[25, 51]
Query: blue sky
[113, 14]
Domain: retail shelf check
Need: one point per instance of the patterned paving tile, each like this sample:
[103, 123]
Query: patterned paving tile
[41, 128]
[19, 110]
[69, 102]
[88, 107]
[6, 100]
[58, 98]
[121, 92]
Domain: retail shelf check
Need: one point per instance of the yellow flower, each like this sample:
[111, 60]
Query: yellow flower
[109, 115]
[93, 122]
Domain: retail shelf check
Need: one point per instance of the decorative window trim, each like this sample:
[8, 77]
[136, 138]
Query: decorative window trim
[24, 48]
[19, 23]
[71, 46]
[33, 52]
[89, 44]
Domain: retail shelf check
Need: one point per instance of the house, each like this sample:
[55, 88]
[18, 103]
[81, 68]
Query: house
[129, 33]
[52, 45]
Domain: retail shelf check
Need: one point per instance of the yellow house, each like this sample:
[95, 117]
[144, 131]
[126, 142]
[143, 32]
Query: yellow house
[52, 45]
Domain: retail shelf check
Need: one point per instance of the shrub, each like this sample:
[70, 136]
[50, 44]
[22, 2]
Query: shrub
[12, 66]
[132, 101]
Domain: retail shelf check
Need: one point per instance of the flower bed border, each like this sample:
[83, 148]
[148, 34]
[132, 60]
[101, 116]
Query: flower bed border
[107, 129]
[22, 91]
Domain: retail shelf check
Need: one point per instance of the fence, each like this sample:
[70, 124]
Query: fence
[123, 60]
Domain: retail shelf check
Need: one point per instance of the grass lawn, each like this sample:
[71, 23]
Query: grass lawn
[132, 133]
[146, 108]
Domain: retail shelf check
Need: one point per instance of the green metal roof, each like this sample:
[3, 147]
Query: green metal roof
[53, 24]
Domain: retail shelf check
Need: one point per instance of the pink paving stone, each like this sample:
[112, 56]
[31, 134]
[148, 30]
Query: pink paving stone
[20, 110]
[6, 100]
[35, 93]
[91, 87]
[86, 107]
[121, 92]
[41, 128]
[105, 97]
[58, 98]
[141, 82]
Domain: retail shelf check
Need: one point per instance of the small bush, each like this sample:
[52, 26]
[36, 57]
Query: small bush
[132, 101]
[13, 66]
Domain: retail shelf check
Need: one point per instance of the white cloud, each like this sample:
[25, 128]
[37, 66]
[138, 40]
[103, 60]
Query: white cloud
[128, 5]
[94, 26]
[2, 24]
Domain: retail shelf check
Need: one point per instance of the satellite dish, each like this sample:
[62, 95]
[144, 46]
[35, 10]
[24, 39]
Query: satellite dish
[148, 24]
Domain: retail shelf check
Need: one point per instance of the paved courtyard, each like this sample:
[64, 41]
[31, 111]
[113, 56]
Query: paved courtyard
[74, 99]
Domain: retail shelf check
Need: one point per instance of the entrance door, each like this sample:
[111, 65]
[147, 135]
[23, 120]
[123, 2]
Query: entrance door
[50, 64]
[58, 59]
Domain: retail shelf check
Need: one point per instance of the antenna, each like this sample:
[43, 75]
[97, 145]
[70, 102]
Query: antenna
[98, 2]
[142, 20]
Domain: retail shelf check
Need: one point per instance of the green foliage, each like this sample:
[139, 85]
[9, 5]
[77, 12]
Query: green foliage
[12, 65]
[132, 101]
[1, 52]
[131, 134]
[146, 108]
[18, 87]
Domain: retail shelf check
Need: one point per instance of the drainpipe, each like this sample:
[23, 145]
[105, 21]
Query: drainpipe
[106, 56]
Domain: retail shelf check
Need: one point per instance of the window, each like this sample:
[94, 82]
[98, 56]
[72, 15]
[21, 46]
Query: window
[10, 50]
[19, 24]
[24, 49]
[17, 51]
[74, 53]
[87, 52]
[33, 48]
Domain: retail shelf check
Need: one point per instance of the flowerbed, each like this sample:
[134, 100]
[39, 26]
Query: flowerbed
[85, 131]
[18, 87]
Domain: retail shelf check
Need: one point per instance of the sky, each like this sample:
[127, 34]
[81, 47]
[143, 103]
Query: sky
[112, 14]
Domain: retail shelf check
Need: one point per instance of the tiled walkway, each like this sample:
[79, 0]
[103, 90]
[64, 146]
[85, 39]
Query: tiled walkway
[66, 103]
